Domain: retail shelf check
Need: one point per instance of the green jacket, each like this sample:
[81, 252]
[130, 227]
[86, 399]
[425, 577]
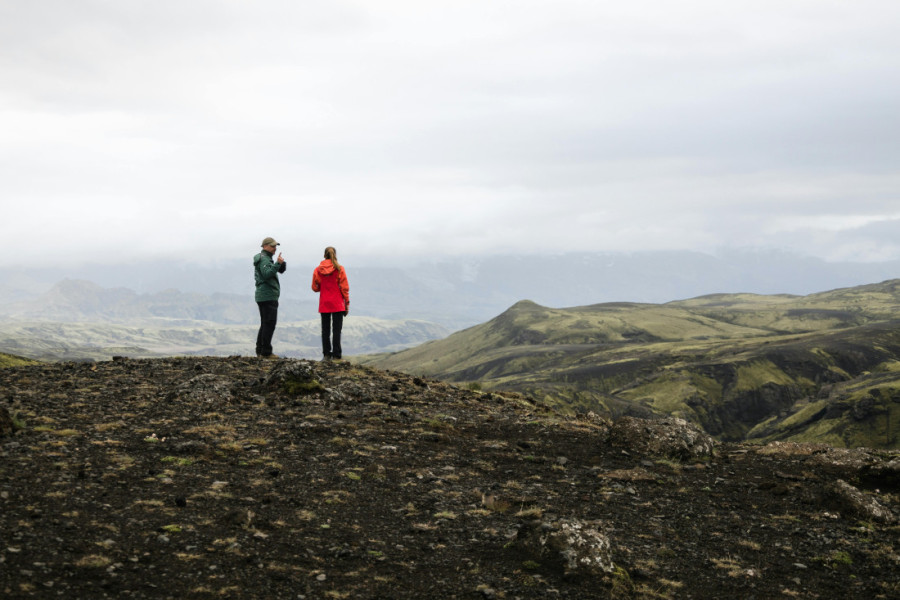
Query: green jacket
[265, 271]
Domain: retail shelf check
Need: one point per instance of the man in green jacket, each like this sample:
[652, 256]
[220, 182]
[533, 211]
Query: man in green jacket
[268, 289]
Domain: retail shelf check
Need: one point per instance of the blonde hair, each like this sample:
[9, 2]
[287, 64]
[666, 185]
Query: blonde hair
[331, 254]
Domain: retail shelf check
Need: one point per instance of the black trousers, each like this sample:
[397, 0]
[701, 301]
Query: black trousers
[331, 333]
[268, 318]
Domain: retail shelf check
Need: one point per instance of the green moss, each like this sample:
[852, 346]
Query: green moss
[804, 414]
[839, 557]
[759, 373]
[823, 431]
[17, 421]
[11, 360]
[297, 387]
[880, 431]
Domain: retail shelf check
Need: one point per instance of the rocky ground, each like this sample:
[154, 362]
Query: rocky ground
[236, 477]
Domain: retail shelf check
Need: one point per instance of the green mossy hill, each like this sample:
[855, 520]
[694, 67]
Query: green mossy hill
[11, 360]
[824, 367]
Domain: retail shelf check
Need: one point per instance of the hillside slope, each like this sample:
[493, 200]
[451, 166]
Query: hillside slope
[823, 367]
[245, 478]
[11, 360]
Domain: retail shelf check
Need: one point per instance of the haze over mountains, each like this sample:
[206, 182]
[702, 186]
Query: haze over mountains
[80, 320]
[454, 293]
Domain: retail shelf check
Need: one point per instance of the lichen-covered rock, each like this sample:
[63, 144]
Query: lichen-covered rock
[206, 388]
[792, 449]
[6, 422]
[671, 437]
[289, 370]
[294, 377]
[853, 501]
[873, 468]
[580, 546]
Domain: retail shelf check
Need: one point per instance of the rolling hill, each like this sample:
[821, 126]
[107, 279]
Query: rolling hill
[11, 360]
[823, 367]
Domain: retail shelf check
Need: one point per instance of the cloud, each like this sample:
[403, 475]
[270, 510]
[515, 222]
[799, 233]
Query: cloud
[163, 127]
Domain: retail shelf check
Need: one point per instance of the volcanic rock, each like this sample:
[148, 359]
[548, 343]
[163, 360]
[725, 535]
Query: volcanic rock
[670, 437]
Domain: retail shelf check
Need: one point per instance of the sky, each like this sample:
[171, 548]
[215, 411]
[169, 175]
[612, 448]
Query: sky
[403, 130]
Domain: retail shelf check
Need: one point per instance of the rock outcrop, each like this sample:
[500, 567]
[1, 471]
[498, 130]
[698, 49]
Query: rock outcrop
[670, 437]
[581, 548]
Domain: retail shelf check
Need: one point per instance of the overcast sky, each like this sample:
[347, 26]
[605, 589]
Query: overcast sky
[146, 129]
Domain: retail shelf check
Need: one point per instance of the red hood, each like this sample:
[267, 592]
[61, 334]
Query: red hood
[325, 267]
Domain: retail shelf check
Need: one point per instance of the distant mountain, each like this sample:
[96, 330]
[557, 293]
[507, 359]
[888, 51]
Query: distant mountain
[458, 292]
[822, 367]
[81, 320]
[48, 340]
[79, 301]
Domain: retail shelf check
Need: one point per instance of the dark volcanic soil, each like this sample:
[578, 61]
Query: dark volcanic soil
[209, 477]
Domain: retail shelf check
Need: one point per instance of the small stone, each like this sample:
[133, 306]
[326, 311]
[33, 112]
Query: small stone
[321, 577]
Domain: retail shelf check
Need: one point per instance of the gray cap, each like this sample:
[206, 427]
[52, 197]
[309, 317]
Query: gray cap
[270, 242]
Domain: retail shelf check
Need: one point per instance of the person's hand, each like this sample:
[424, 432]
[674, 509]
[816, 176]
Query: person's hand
[280, 260]
[346, 312]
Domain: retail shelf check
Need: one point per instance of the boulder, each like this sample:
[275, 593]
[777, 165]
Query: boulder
[849, 500]
[206, 388]
[670, 437]
[580, 547]
[295, 377]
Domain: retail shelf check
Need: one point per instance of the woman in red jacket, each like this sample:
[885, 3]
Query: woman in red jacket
[330, 280]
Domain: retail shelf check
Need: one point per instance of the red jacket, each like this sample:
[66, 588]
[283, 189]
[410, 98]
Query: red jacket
[333, 288]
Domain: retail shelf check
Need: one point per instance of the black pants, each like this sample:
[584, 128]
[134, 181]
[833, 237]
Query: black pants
[268, 317]
[331, 334]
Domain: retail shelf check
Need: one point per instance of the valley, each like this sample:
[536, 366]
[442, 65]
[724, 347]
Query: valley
[823, 367]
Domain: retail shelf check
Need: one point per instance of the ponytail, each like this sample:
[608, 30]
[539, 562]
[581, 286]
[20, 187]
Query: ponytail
[331, 254]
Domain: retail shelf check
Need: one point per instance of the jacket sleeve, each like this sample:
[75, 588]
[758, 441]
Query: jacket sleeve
[345, 285]
[267, 269]
[282, 267]
[315, 281]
